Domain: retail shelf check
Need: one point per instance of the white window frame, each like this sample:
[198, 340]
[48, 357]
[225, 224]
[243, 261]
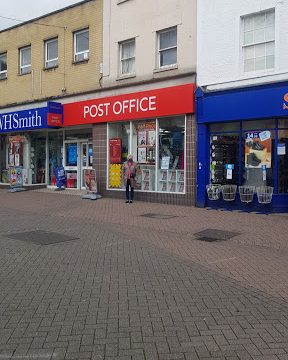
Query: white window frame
[255, 43]
[23, 67]
[3, 73]
[85, 52]
[165, 49]
[47, 61]
[121, 60]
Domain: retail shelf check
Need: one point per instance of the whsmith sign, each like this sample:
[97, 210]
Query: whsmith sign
[32, 119]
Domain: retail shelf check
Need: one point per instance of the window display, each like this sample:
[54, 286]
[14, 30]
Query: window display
[282, 154]
[164, 148]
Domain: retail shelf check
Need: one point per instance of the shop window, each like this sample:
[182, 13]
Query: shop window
[81, 45]
[127, 57]
[254, 125]
[55, 144]
[167, 47]
[144, 152]
[3, 156]
[258, 158]
[224, 158]
[25, 60]
[118, 150]
[283, 123]
[171, 165]
[229, 126]
[38, 158]
[259, 41]
[3, 66]
[282, 155]
[51, 53]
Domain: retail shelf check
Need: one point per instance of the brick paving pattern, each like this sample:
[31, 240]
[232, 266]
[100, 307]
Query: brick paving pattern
[140, 288]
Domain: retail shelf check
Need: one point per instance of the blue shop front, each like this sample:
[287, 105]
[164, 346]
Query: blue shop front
[242, 156]
[31, 139]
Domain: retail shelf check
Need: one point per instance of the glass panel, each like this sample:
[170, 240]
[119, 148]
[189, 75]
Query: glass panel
[78, 134]
[128, 66]
[269, 33]
[248, 23]
[231, 126]
[270, 62]
[282, 153]
[262, 124]
[118, 151]
[249, 52]
[249, 65]
[38, 157]
[72, 179]
[224, 150]
[259, 35]
[283, 123]
[270, 18]
[270, 48]
[260, 63]
[168, 57]
[249, 37]
[90, 154]
[260, 50]
[144, 152]
[258, 153]
[168, 39]
[52, 50]
[127, 50]
[82, 41]
[259, 21]
[4, 178]
[84, 155]
[171, 170]
[55, 143]
[3, 62]
[25, 56]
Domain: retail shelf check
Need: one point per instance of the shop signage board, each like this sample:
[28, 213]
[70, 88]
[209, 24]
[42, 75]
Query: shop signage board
[90, 180]
[173, 100]
[16, 178]
[32, 119]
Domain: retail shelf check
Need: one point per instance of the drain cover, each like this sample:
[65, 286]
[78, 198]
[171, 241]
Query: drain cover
[158, 216]
[211, 235]
[41, 237]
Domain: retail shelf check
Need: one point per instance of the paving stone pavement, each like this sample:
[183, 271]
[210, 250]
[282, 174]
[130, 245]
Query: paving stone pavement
[140, 288]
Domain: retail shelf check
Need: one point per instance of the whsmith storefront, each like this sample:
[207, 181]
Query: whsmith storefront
[157, 127]
[29, 139]
[243, 148]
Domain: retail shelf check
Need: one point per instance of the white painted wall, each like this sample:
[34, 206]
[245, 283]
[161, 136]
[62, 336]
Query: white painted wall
[219, 53]
[142, 19]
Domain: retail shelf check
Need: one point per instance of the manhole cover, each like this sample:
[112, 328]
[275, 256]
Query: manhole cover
[41, 237]
[211, 235]
[158, 216]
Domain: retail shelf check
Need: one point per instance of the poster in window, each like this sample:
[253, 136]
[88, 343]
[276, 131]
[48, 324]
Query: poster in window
[151, 138]
[258, 146]
[72, 154]
[115, 148]
[142, 155]
[142, 138]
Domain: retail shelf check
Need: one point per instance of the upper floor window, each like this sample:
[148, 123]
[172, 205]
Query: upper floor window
[3, 66]
[259, 41]
[127, 57]
[167, 47]
[25, 60]
[51, 53]
[81, 45]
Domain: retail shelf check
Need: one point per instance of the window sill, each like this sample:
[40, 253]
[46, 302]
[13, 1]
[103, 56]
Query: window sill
[165, 68]
[121, 1]
[4, 78]
[126, 77]
[50, 68]
[85, 61]
[27, 73]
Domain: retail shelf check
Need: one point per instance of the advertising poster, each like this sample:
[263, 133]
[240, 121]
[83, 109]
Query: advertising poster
[165, 161]
[142, 155]
[151, 138]
[142, 138]
[115, 148]
[90, 180]
[258, 148]
[72, 154]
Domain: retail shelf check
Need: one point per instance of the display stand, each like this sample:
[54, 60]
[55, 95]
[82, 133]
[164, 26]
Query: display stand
[16, 179]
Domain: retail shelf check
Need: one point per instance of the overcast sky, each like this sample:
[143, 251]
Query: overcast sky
[28, 9]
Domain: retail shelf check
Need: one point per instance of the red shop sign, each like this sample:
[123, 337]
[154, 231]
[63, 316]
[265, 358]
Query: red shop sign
[173, 100]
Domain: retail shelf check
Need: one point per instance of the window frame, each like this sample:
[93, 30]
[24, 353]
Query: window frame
[3, 73]
[254, 44]
[165, 49]
[46, 43]
[75, 53]
[121, 60]
[21, 67]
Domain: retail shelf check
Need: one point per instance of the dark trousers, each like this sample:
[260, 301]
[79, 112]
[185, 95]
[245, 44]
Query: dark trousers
[131, 193]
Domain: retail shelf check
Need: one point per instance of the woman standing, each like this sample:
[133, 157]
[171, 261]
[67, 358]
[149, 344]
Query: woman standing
[129, 169]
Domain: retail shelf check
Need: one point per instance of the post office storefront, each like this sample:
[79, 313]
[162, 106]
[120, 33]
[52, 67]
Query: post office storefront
[156, 127]
[243, 148]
